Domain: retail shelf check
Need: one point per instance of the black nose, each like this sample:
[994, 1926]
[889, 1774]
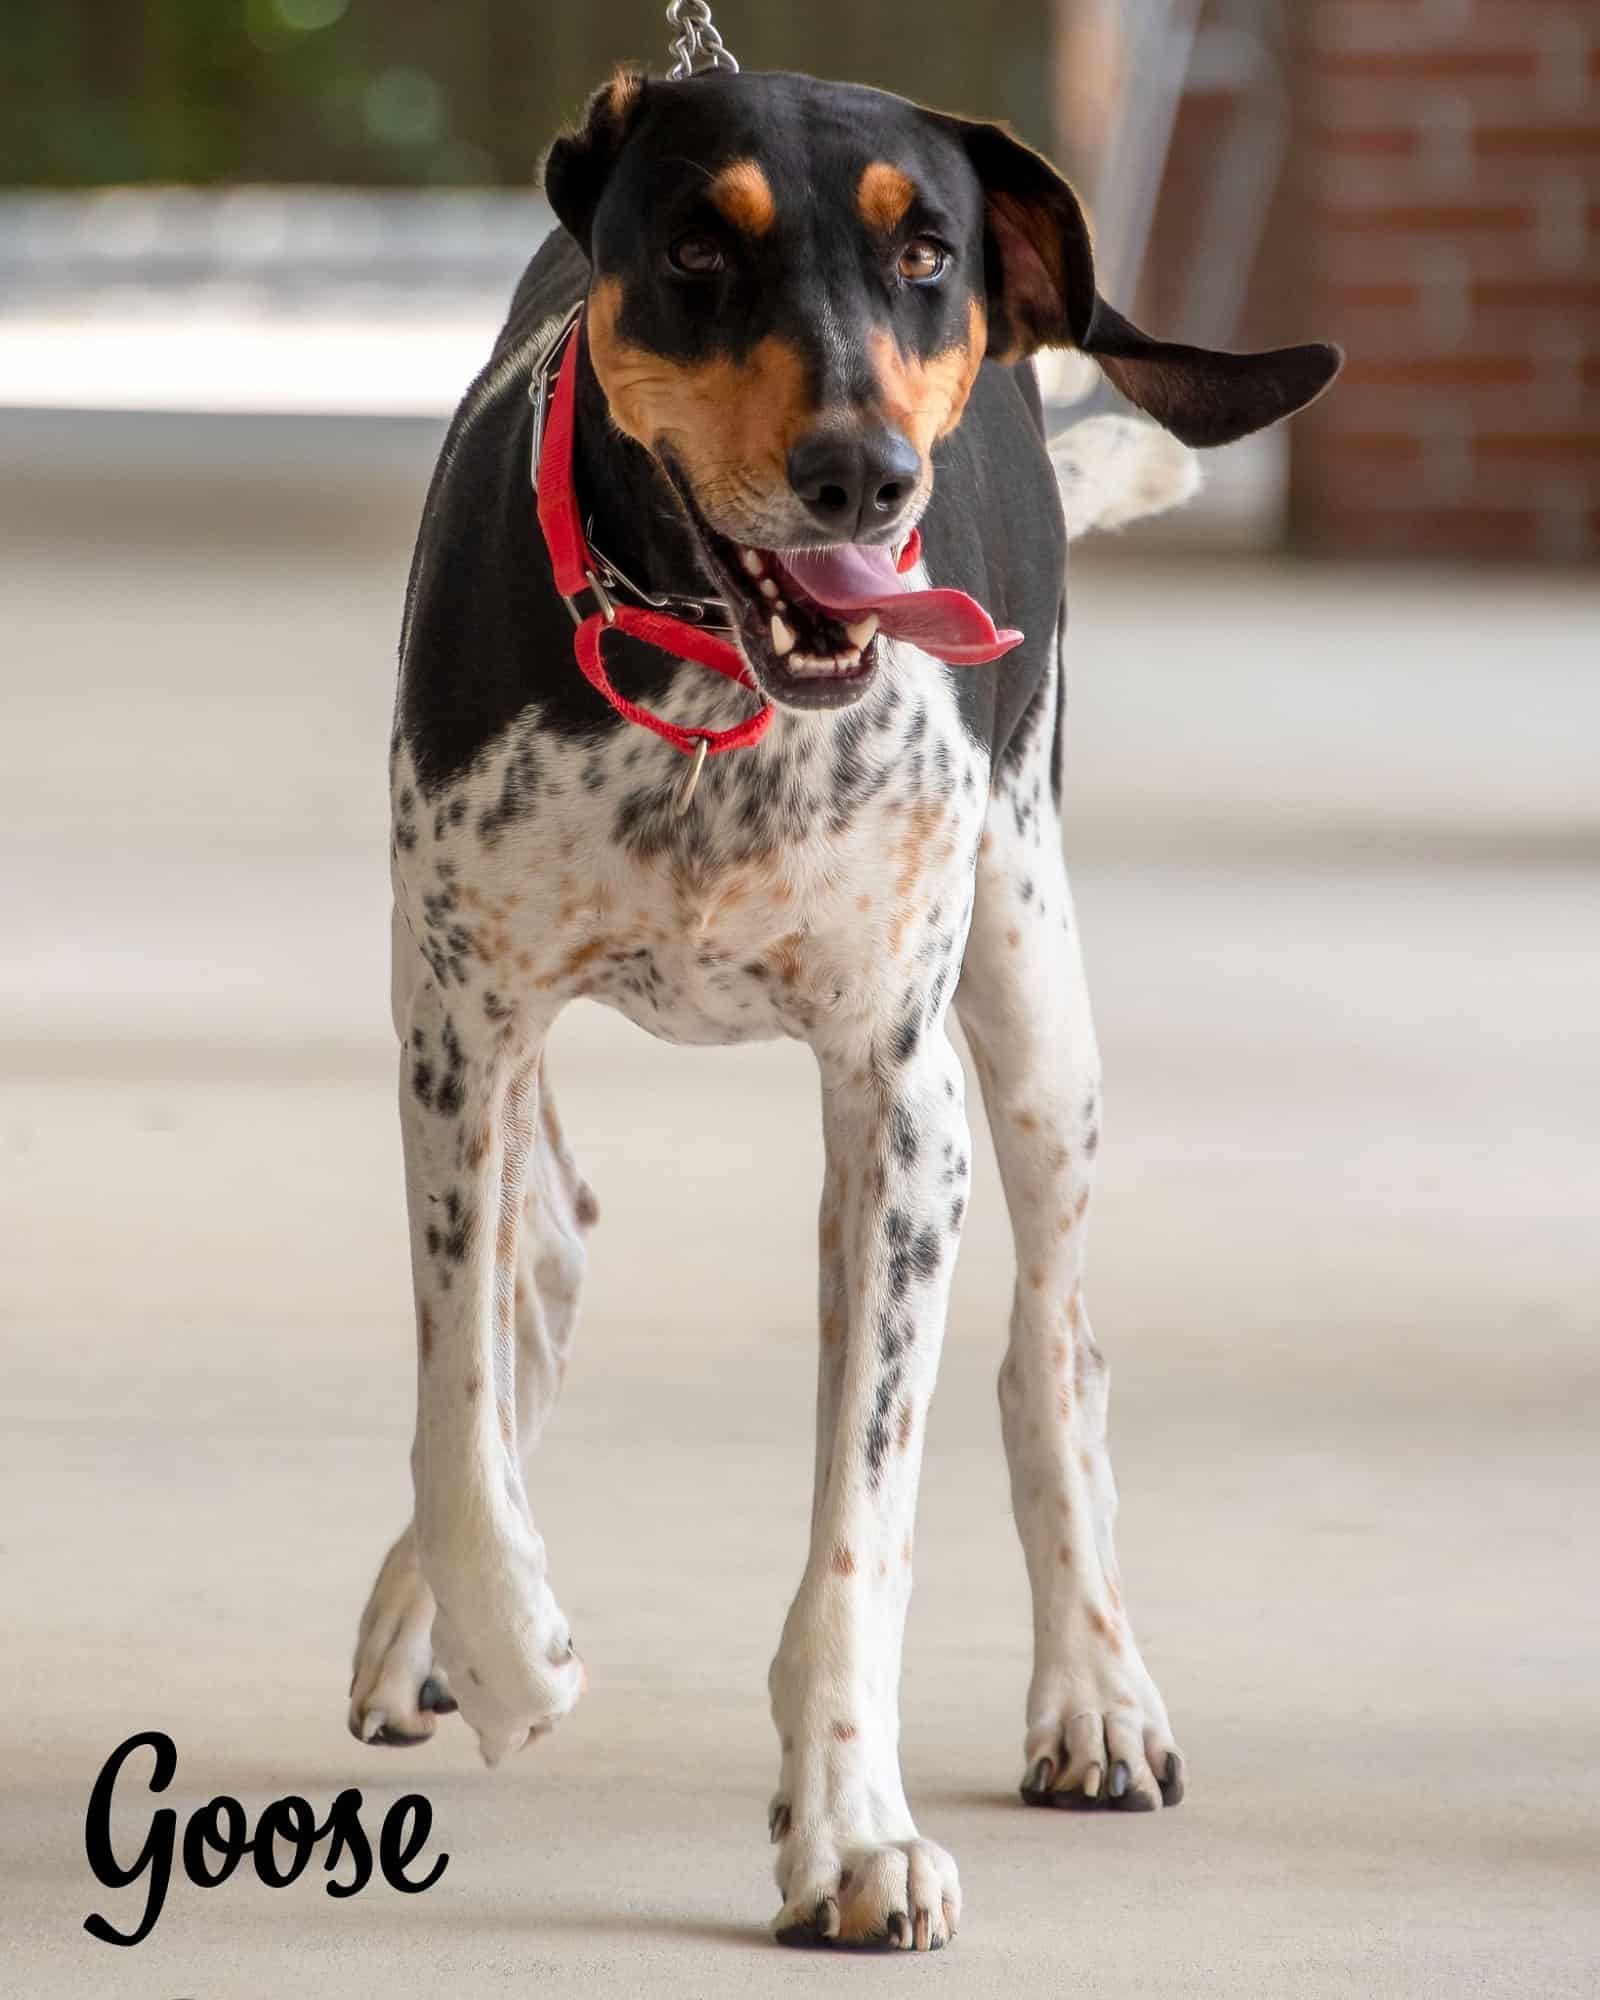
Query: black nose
[856, 484]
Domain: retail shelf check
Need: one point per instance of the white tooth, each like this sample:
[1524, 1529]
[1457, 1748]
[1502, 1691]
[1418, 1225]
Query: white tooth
[864, 631]
[847, 660]
[751, 561]
[782, 637]
[768, 587]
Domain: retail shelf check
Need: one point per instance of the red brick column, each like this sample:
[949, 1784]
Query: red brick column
[1448, 153]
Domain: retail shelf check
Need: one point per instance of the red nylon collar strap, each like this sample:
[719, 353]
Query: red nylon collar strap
[573, 565]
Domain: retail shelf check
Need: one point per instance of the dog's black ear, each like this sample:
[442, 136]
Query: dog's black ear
[576, 166]
[1039, 273]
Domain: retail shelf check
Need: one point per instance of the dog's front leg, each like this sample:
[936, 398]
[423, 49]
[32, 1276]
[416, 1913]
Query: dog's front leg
[850, 1865]
[468, 1105]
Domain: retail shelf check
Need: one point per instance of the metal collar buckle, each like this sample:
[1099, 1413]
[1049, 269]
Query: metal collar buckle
[710, 613]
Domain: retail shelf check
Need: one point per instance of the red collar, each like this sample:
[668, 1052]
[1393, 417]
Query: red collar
[574, 567]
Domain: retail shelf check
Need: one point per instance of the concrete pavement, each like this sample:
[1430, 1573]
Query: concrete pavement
[1338, 840]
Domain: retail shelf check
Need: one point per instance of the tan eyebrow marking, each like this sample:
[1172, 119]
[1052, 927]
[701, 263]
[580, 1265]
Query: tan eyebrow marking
[741, 192]
[883, 194]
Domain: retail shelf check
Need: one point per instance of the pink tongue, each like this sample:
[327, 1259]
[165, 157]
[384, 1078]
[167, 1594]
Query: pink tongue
[854, 579]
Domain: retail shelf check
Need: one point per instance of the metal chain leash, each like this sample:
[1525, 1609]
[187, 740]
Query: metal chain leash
[698, 45]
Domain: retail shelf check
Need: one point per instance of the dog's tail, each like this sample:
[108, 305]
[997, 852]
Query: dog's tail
[1113, 470]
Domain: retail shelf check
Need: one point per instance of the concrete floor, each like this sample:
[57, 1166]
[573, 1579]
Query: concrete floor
[1340, 839]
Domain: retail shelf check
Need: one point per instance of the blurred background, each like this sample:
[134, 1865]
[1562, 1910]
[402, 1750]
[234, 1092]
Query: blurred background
[1334, 818]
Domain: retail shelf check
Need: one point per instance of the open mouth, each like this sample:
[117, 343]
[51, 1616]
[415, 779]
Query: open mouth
[812, 622]
[802, 652]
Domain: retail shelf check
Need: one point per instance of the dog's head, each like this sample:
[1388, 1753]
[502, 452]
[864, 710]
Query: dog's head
[794, 284]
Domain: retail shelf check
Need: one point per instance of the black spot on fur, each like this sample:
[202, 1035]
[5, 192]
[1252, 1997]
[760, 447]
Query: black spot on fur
[903, 1135]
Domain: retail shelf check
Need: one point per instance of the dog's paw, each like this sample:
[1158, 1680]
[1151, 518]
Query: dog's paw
[396, 1690]
[902, 1896]
[1113, 1753]
[513, 1675]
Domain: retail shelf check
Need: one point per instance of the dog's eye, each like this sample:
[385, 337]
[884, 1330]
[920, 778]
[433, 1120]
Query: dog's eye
[923, 260]
[697, 256]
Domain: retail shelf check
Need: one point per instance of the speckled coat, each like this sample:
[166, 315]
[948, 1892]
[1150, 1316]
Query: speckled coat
[852, 881]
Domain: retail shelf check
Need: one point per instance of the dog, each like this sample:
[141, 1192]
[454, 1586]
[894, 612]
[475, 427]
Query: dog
[794, 321]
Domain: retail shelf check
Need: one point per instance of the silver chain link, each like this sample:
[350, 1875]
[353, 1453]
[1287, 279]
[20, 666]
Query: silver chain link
[698, 45]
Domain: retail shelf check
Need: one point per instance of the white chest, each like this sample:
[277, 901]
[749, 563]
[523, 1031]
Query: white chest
[809, 879]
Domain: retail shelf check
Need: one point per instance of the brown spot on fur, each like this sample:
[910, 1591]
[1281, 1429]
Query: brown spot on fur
[925, 396]
[1087, 1463]
[844, 1731]
[1027, 1121]
[1036, 1278]
[1064, 1556]
[844, 1563]
[474, 1386]
[924, 818]
[1104, 1627]
[907, 1418]
[883, 194]
[574, 962]
[828, 1235]
[475, 1677]
[785, 959]
[743, 195]
[585, 1207]
[724, 419]
[425, 1334]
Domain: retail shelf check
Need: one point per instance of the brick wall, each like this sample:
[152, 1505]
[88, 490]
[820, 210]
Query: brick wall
[1447, 224]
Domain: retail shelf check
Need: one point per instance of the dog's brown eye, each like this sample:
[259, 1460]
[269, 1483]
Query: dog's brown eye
[697, 256]
[923, 260]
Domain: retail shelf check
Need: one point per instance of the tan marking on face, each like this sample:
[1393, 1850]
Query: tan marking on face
[742, 194]
[883, 194]
[924, 398]
[729, 424]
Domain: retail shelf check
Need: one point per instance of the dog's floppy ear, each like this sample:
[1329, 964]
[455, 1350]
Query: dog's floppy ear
[576, 166]
[1039, 272]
